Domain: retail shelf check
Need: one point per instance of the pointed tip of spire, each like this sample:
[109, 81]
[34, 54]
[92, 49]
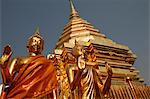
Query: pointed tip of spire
[73, 13]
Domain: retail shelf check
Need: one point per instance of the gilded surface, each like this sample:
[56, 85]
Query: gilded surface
[29, 76]
[80, 67]
[83, 75]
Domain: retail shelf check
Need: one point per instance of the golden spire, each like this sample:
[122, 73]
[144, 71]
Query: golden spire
[73, 12]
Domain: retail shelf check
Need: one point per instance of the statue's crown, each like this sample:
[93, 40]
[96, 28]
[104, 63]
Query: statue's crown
[36, 34]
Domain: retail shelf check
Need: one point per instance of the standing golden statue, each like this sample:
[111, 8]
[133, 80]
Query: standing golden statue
[87, 77]
[31, 76]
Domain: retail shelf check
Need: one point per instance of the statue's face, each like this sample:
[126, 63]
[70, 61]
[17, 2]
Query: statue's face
[35, 45]
[78, 50]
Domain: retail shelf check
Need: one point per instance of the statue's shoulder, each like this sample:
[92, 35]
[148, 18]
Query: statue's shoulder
[17, 63]
[21, 59]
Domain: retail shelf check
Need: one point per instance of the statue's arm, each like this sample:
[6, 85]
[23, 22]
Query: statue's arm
[77, 78]
[106, 86]
[4, 63]
[5, 75]
[16, 64]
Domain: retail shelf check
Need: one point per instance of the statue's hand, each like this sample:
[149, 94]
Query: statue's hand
[81, 63]
[7, 50]
[109, 70]
[6, 56]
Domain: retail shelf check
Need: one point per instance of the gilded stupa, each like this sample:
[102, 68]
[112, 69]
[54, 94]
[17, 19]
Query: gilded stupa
[85, 64]
[126, 82]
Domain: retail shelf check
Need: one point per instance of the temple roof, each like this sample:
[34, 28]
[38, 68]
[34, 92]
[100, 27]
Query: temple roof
[81, 30]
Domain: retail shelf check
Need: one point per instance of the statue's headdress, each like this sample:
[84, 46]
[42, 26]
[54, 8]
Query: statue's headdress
[36, 34]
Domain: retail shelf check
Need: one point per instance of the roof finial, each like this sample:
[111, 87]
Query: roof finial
[73, 10]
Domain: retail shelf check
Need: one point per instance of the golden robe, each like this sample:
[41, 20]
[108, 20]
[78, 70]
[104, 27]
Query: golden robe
[35, 79]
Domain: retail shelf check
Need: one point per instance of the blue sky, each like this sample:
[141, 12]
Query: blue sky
[124, 21]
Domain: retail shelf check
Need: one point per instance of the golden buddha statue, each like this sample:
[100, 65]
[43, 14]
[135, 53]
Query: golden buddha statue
[31, 76]
[87, 77]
